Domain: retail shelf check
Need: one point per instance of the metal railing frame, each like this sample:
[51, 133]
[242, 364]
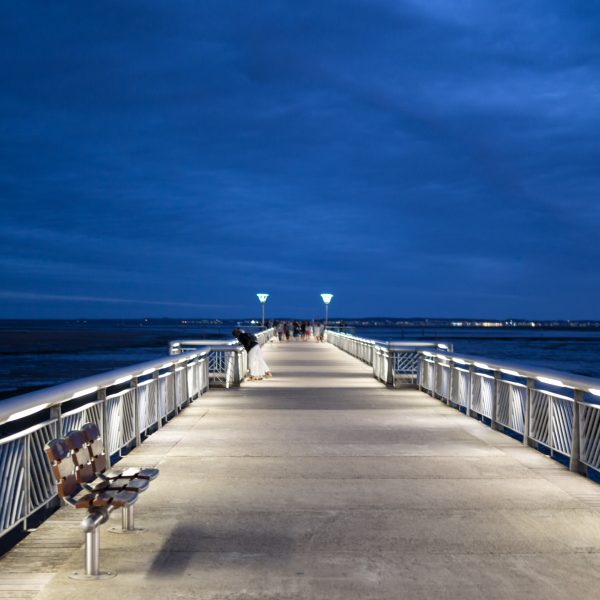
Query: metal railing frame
[127, 403]
[555, 412]
[228, 362]
[394, 363]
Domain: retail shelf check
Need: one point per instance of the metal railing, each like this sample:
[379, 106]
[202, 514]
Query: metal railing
[556, 412]
[228, 361]
[394, 363]
[127, 404]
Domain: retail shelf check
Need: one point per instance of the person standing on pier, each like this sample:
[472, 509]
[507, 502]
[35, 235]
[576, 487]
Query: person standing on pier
[256, 363]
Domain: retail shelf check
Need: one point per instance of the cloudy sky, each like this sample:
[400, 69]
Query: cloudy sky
[415, 158]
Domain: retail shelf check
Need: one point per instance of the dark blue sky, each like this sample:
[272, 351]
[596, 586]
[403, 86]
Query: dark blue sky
[425, 157]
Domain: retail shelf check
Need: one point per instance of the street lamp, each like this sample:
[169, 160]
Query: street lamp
[327, 299]
[262, 298]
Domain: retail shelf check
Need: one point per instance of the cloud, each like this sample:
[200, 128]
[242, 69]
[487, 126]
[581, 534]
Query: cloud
[202, 149]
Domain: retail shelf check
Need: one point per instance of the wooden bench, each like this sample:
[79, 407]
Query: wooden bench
[79, 465]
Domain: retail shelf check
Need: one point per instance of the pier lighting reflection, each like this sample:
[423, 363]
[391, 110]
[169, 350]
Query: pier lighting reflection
[511, 372]
[85, 392]
[262, 298]
[326, 299]
[550, 381]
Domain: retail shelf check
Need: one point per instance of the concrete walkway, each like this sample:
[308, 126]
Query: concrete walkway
[322, 483]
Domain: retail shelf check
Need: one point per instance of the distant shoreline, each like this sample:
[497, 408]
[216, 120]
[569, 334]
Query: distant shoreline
[399, 322]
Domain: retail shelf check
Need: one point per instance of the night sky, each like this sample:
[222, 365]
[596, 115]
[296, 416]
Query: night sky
[418, 158]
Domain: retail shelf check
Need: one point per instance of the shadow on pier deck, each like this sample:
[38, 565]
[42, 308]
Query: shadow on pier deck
[322, 483]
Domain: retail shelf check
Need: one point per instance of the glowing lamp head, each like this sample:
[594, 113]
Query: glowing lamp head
[262, 298]
[327, 298]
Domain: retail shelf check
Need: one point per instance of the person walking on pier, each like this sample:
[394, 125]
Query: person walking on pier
[256, 363]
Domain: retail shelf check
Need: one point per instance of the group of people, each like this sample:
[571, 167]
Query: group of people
[303, 330]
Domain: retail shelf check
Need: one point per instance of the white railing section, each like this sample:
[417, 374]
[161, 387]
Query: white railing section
[556, 412]
[228, 361]
[127, 404]
[394, 363]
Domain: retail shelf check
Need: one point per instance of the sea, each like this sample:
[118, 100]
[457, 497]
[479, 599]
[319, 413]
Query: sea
[41, 353]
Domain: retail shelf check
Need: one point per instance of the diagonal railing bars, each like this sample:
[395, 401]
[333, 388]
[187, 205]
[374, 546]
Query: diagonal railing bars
[555, 412]
[128, 404]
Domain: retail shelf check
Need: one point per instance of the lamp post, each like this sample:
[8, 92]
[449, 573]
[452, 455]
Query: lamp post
[326, 299]
[262, 298]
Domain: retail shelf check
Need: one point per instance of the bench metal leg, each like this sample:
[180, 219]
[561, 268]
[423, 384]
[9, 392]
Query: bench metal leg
[92, 552]
[127, 522]
[91, 527]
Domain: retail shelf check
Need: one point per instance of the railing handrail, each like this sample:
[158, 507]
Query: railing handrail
[155, 391]
[28, 404]
[176, 345]
[394, 344]
[569, 380]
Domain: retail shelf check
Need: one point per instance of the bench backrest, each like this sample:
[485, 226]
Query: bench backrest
[63, 468]
[75, 441]
[95, 448]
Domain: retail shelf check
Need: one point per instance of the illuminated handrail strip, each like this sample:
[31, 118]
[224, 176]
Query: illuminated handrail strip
[23, 405]
[523, 370]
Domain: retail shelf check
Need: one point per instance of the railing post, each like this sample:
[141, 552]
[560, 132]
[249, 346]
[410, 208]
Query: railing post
[26, 478]
[420, 373]
[390, 367]
[575, 463]
[173, 369]
[133, 385]
[550, 424]
[238, 367]
[101, 396]
[526, 424]
[56, 414]
[470, 394]
[199, 377]
[495, 398]
[434, 381]
[450, 379]
[156, 384]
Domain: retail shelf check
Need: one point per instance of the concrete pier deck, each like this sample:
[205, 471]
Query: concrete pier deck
[322, 483]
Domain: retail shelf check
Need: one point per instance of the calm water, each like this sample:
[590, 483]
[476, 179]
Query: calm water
[37, 354]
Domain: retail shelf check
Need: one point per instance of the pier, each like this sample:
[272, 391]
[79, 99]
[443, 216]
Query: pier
[326, 483]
